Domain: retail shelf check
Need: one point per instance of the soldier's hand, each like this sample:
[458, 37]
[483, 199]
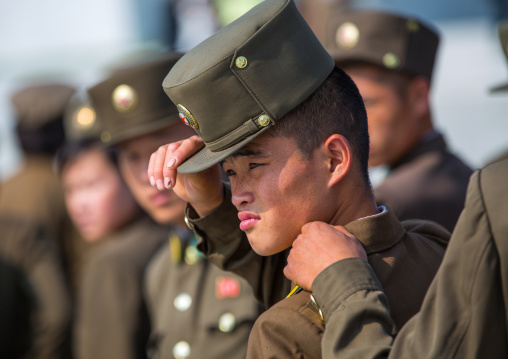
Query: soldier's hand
[318, 246]
[203, 190]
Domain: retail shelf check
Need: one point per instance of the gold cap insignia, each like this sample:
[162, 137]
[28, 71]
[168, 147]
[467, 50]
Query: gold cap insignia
[187, 117]
[390, 60]
[347, 35]
[124, 98]
[84, 118]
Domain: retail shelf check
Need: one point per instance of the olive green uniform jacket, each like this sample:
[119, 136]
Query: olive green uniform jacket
[25, 246]
[428, 183]
[112, 319]
[197, 310]
[35, 193]
[405, 258]
[464, 314]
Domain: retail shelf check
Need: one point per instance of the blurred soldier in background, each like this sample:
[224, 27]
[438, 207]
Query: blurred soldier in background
[391, 59]
[111, 315]
[197, 310]
[43, 302]
[35, 191]
[34, 222]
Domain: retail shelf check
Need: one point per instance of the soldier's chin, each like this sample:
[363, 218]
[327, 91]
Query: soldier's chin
[262, 249]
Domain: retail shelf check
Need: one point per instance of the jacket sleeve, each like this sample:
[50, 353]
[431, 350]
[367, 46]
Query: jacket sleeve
[355, 310]
[225, 245]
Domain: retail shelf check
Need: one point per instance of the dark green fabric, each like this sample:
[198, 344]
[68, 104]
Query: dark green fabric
[153, 110]
[411, 41]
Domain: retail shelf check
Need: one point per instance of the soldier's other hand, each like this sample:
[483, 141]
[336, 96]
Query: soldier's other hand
[203, 190]
[318, 246]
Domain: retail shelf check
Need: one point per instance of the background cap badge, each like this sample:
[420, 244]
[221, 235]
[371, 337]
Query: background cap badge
[125, 98]
[347, 35]
[187, 117]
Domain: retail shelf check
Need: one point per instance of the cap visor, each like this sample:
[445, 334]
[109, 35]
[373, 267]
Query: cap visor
[205, 158]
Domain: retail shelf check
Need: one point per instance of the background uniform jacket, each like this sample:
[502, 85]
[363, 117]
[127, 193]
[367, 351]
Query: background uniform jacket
[464, 314]
[405, 258]
[112, 318]
[428, 183]
[25, 246]
[196, 308]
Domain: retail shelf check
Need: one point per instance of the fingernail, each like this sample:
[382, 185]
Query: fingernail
[171, 162]
[160, 186]
[167, 182]
[152, 181]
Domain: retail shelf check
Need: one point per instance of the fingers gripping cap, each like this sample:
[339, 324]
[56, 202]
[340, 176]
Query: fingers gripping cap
[243, 79]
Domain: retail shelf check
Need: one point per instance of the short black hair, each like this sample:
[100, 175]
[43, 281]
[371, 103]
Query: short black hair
[335, 107]
[72, 149]
[45, 140]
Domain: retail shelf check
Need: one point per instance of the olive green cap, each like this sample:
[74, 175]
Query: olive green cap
[243, 79]
[388, 40]
[130, 103]
[503, 37]
[80, 120]
[38, 105]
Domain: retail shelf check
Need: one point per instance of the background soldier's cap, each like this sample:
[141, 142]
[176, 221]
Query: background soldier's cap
[36, 106]
[503, 37]
[130, 103]
[80, 119]
[244, 78]
[388, 40]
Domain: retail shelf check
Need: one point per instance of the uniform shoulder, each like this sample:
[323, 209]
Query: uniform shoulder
[429, 229]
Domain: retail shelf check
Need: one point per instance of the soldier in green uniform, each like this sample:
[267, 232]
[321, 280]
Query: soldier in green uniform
[33, 198]
[196, 309]
[464, 314]
[111, 315]
[290, 130]
[391, 59]
[39, 111]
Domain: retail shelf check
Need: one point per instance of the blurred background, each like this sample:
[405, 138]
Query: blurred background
[78, 42]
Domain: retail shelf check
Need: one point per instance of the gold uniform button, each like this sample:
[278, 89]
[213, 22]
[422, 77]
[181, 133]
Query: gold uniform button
[84, 118]
[191, 255]
[105, 137]
[182, 302]
[241, 62]
[264, 120]
[227, 322]
[181, 350]
[390, 60]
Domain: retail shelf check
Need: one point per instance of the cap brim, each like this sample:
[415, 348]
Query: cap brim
[205, 158]
[142, 129]
[500, 88]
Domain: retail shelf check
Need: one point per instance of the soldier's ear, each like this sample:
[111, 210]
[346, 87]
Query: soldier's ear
[418, 95]
[339, 154]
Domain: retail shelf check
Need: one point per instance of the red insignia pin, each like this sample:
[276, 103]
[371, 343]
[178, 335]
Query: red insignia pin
[227, 287]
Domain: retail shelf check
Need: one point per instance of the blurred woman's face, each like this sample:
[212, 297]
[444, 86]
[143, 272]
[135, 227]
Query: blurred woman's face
[96, 197]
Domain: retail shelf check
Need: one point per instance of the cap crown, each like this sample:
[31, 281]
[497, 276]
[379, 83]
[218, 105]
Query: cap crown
[38, 105]
[131, 103]
[246, 77]
[389, 40]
